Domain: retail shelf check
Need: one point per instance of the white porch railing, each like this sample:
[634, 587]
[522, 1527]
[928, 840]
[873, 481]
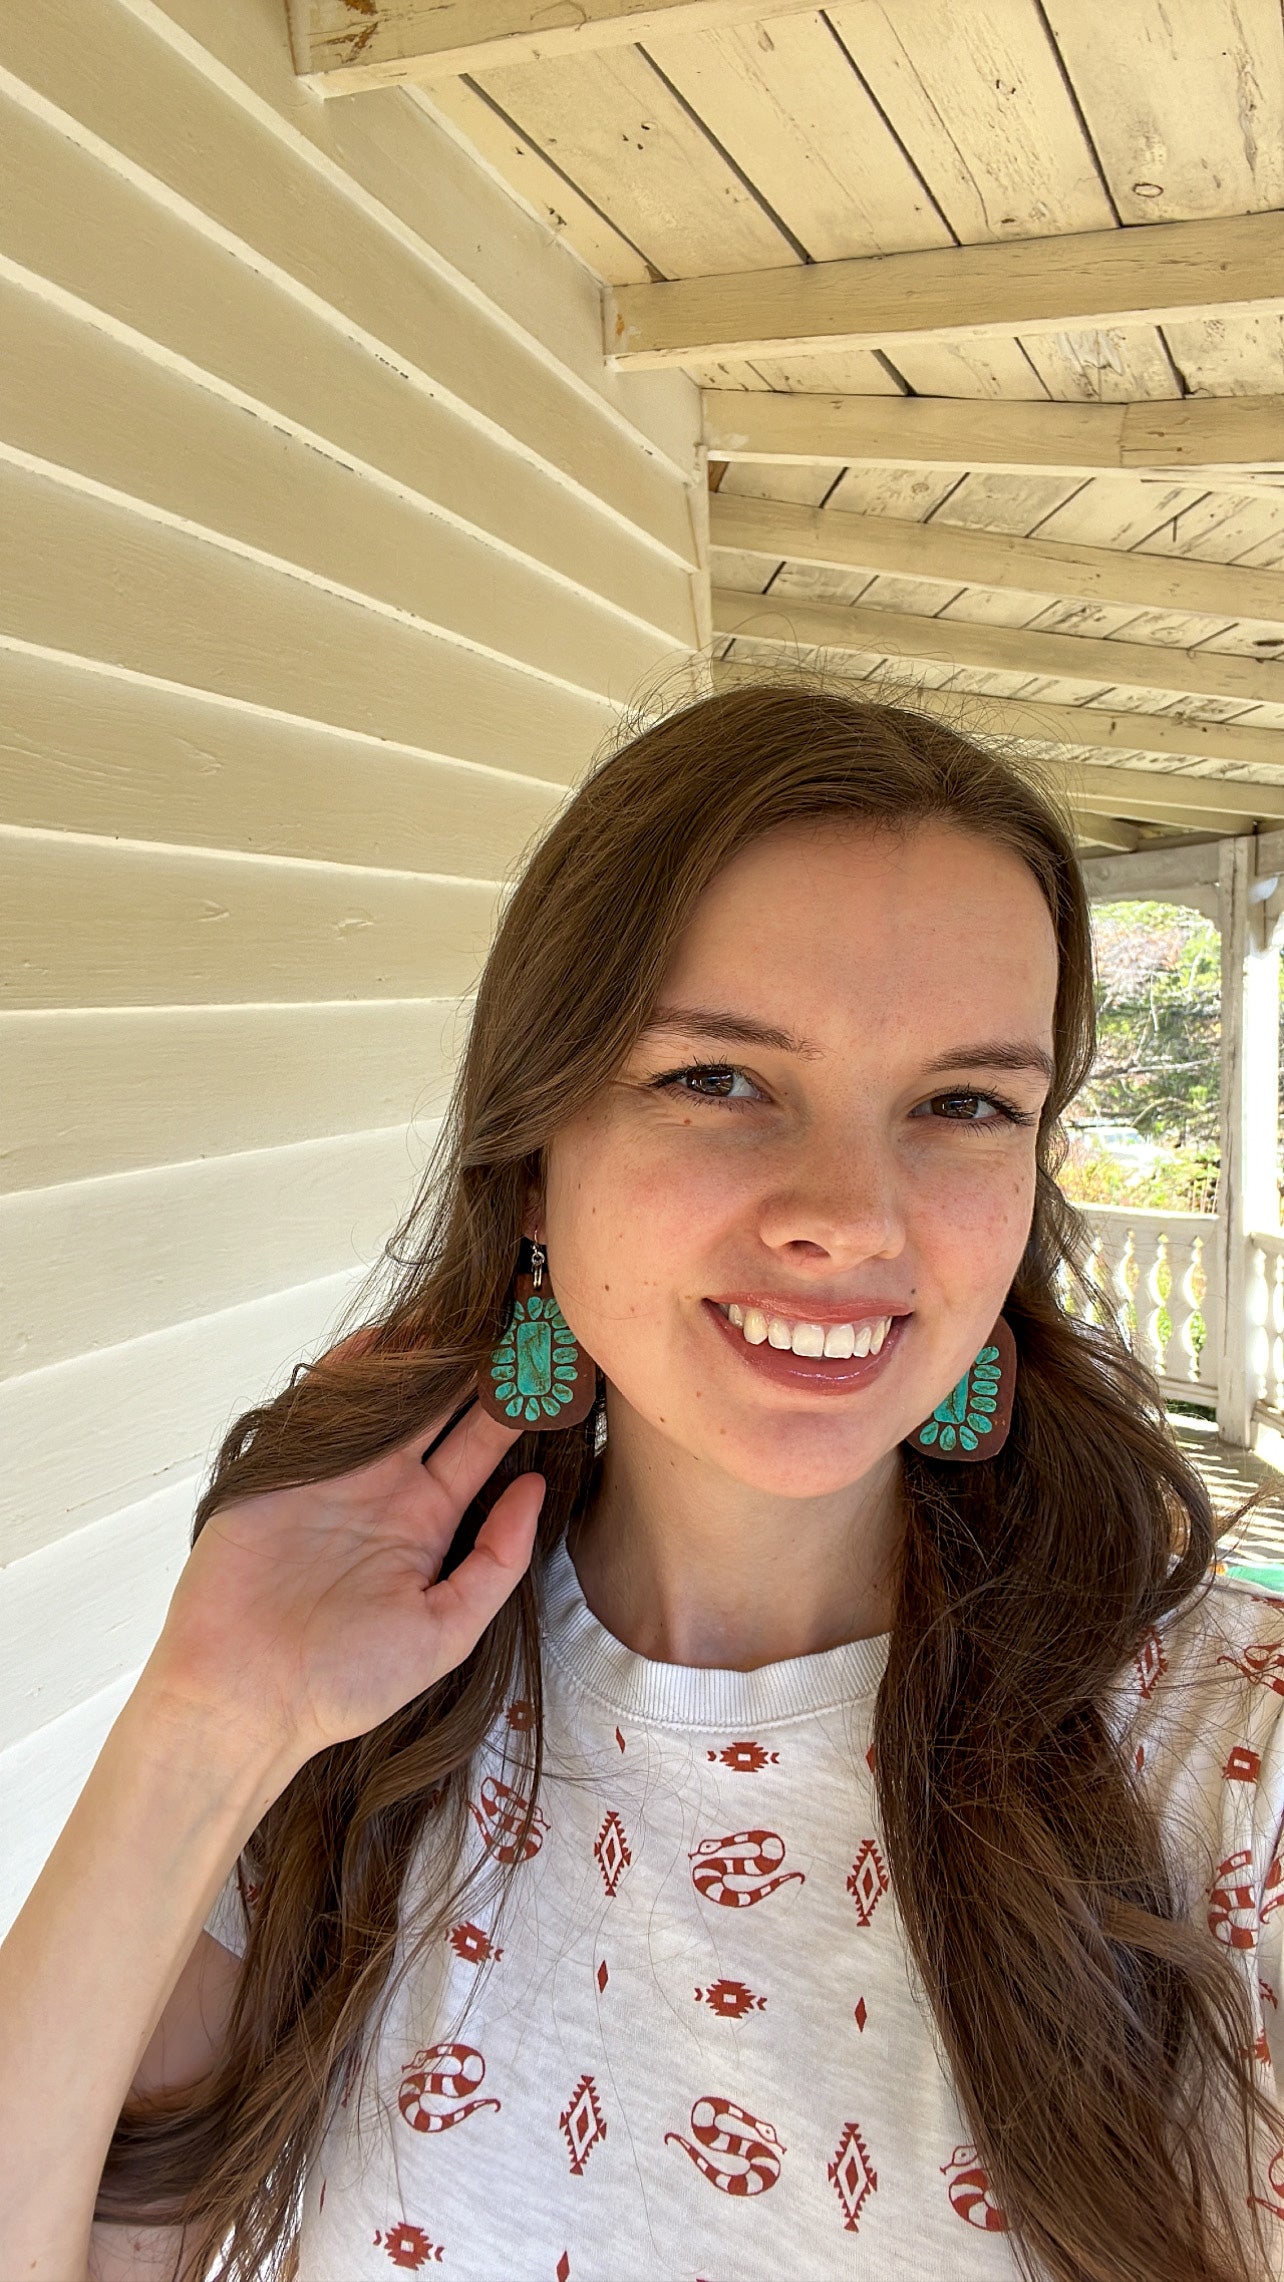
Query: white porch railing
[1266, 1325]
[1162, 1273]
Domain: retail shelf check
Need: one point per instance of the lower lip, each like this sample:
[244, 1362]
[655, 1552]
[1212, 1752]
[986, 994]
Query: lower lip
[818, 1374]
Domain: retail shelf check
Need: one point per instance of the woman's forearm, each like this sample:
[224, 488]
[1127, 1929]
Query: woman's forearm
[87, 1967]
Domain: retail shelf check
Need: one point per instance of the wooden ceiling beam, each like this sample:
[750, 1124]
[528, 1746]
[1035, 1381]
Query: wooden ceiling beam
[1101, 832]
[1195, 433]
[948, 556]
[342, 46]
[1017, 649]
[1149, 273]
[1037, 718]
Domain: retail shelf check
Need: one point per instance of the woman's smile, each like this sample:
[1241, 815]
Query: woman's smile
[784, 1365]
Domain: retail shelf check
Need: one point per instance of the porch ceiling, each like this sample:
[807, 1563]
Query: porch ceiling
[987, 305]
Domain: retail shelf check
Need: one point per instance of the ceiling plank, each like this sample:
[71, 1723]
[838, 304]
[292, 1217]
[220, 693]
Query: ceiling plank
[342, 46]
[1245, 433]
[952, 557]
[1231, 264]
[1027, 650]
[1099, 832]
[1159, 796]
[1121, 730]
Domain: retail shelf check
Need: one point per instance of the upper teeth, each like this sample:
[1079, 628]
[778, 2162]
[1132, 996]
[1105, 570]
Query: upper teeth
[841, 1339]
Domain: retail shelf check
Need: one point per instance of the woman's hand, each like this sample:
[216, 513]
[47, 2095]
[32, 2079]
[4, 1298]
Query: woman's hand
[306, 1616]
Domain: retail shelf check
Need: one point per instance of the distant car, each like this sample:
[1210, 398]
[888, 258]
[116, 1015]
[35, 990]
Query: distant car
[1122, 1143]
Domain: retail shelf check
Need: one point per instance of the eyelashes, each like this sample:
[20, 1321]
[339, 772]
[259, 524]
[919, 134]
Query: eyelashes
[1009, 1112]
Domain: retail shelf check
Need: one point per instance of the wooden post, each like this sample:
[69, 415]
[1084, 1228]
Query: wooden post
[1248, 1198]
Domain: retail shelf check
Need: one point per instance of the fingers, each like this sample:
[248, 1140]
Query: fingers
[467, 1456]
[464, 1603]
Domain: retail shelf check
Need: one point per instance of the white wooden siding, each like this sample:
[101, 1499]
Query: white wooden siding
[329, 553]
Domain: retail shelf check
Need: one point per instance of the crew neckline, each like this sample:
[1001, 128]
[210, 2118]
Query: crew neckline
[685, 1695]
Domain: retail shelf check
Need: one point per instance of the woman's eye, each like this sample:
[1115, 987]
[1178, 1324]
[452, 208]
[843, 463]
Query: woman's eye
[1007, 1111]
[721, 1073]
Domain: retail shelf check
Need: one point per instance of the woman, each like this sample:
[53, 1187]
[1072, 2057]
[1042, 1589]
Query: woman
[773, 1788]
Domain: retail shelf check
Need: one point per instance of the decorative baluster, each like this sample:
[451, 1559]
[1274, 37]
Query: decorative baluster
[1158, 1283]
[1192, 1287]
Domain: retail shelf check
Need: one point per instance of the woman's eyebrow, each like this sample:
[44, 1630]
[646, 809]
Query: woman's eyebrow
[718, 1023]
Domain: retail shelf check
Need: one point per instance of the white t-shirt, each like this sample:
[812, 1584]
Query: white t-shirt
[694, 2050]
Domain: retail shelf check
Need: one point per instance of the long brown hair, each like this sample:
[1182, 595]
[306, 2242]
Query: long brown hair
[1096, 2038]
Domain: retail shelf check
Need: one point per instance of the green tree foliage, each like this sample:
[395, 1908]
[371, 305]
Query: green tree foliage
[1158, 1023]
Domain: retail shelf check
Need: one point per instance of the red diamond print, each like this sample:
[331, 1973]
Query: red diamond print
[860, 2016]
[619, 1739]
[408, 2246]
[851, 2175]
[602, 1976]
[472, 1944]
[520, 1714]
[1243, 1765]
[1140, 1760]
[869, 1758]
[731, 2000]
[583, 2123]
[612, 1850]
[746, 1758]
[868, 1881]
[1150, 1661]
[564, 2268]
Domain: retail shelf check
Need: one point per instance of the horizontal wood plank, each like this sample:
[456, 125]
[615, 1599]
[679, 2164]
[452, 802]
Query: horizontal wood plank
[397, 40]
[160, 1247]
[1154, 666]
[978, 713]
[1231, 434]
[89, 578]
[91, 1092]
[85, 923]
[1228, 266]
[147, 1413]
[951, 557]
[95, 752]
[393, 151]
[225, 174]
[75, 399]
[81, 1613]
[100, 242]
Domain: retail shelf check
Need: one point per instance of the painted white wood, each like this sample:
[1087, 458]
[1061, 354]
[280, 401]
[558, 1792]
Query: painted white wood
[1229, 435]
[40, 1780]
[86, 576]
[1249, 1107]
[425, 182]
[1230, 266]
[90, 1092]
[76, 1615]
[944, 554]
[73, 399]
[87, 923]
[89, 1436]
[89, 750]
[92, 68]
[416, 39]
[1023, 650]
[162, 1246]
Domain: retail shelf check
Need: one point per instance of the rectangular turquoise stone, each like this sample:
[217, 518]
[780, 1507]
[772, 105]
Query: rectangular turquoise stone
[534, 1359]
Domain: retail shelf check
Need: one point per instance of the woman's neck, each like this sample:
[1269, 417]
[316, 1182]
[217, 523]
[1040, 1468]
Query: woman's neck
[687, 1566]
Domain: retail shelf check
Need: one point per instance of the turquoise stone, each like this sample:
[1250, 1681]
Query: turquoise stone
[534, 1358]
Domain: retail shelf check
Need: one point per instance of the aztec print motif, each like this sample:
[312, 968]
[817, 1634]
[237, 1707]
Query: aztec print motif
[693, 2026]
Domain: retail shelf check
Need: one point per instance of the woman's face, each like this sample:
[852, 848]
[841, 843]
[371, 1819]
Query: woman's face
[835, 1151]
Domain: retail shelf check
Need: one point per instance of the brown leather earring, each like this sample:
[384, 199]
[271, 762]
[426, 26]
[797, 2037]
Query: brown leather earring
[973, 1420]
[539, 1376]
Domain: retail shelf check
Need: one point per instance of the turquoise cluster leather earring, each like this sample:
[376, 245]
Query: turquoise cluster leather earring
[539, 1376]
[974, 1418]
